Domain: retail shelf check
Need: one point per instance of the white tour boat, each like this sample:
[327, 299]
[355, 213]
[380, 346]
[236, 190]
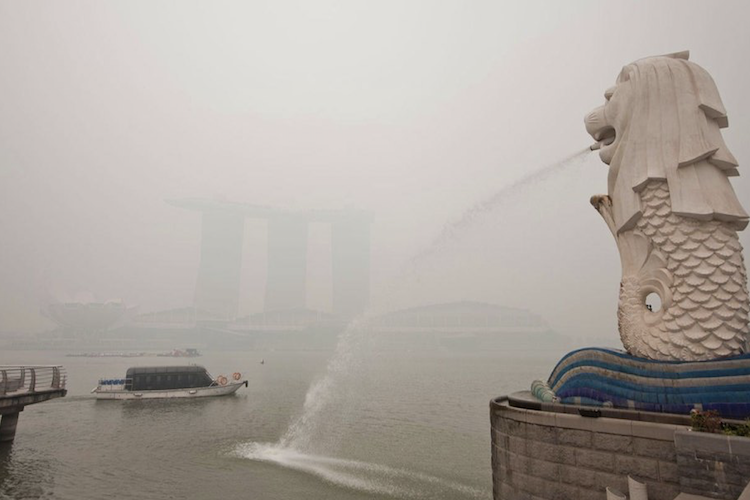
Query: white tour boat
[151, 382]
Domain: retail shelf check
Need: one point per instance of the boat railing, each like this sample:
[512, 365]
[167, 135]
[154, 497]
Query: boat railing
[31, 378]
[112, 384]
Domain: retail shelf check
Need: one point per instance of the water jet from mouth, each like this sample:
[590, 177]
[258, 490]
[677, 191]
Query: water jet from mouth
[309, 438]
[453, 230]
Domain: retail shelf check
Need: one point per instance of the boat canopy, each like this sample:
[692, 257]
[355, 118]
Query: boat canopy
[152, 378]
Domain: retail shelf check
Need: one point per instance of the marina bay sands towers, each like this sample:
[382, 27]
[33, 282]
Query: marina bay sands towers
[287, 263]
[217, 289]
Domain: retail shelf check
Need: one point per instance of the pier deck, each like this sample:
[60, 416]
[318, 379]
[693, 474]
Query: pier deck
[25, 385]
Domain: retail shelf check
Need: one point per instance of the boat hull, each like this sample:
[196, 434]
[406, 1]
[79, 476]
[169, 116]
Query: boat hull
[188, 392]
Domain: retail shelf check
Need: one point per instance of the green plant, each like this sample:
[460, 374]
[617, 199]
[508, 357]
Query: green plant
[737, 430]
[706, 421]
[710, 421]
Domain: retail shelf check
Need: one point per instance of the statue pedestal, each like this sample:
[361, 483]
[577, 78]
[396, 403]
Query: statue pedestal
[554, 452]
[608, 377]
[604, 415]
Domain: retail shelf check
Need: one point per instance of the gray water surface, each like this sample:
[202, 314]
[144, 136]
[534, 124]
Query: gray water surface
[410, 423]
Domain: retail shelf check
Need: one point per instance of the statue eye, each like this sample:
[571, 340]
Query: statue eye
[609, 93]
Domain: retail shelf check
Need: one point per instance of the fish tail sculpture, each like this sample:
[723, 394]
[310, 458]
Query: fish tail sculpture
[673, 212]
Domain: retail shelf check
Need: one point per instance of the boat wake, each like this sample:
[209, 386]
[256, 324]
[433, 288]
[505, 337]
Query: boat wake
[363, 476]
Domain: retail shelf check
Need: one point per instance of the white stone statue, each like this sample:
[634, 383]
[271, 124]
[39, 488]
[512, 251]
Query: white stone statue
[673, 211]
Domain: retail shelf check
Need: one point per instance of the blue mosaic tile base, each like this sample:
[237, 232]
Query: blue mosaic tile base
[596, 376]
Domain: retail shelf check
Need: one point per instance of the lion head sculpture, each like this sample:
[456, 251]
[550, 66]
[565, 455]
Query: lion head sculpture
[673, 212]
[662, 121]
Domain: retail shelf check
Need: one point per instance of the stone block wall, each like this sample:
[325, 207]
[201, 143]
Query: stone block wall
[712, 465]
[562, 456]
[559, 456]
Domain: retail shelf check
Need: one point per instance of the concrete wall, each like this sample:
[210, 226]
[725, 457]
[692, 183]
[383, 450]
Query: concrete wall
[563, 456]
[712, 465]
[559, 456]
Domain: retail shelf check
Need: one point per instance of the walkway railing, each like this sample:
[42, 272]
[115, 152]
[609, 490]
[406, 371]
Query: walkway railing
[26, 379]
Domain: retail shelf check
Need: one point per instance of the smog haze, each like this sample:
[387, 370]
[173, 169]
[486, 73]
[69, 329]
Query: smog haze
[414, 112]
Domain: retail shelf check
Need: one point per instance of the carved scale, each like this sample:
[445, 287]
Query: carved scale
[673, 212]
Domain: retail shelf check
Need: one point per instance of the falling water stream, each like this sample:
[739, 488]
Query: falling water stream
[300, 447]
[473, 214]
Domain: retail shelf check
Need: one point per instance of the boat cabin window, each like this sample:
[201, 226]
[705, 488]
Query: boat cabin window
[166, 378]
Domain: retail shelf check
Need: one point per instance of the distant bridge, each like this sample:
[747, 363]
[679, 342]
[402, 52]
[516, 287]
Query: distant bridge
[26, 385]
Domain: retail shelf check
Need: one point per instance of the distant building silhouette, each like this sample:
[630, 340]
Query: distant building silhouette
[218, 283]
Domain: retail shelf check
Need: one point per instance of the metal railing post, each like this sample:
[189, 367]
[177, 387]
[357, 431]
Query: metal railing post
[31, 378]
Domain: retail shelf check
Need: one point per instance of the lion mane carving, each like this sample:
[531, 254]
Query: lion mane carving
[672, 211]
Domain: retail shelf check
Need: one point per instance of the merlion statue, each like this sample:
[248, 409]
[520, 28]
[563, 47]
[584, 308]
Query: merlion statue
[672, 211]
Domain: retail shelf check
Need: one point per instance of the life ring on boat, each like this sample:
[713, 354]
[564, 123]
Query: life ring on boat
[236, 375]
[222, 380]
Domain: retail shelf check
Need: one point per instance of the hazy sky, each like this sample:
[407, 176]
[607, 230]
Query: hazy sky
[414, 110]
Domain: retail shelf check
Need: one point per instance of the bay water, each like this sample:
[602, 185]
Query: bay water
[406, 423]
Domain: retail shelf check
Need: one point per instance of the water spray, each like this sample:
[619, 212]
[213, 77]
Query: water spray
[299, 447]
